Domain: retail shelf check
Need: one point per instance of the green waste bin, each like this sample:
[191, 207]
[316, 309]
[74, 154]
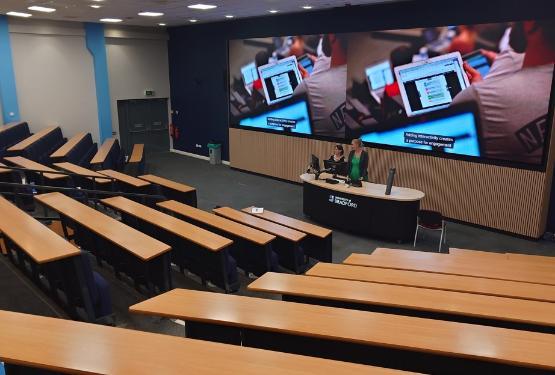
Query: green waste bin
[215, 153]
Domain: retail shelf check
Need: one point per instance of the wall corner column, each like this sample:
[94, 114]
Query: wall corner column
[96, 44]
[8, 91]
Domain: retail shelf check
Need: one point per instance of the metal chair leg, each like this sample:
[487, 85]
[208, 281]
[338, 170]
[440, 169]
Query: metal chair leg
[415, 234]
[441, 238]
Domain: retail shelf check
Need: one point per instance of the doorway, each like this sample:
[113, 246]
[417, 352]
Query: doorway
[144, 121]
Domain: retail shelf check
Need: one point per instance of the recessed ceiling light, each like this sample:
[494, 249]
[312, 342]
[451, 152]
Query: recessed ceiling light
[41, 9]
[95, 6]
[110, 20]
[98, 1]
[193, 20]
[161, 24]
[201, 6]
[229, 16]
[19, 14]
[273, 11]
[307, 7]
[151, 14]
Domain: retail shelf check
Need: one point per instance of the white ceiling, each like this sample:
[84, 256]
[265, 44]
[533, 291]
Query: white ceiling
[176, 11]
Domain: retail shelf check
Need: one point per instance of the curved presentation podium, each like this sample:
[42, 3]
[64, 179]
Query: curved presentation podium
[364, 210]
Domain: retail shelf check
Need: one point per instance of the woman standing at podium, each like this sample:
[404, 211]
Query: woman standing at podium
[338, 154]
[358, 162]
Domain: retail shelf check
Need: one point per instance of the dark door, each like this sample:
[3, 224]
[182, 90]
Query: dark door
[144, 121]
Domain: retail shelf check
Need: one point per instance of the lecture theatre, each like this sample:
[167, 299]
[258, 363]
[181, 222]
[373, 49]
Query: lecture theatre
[277, 187]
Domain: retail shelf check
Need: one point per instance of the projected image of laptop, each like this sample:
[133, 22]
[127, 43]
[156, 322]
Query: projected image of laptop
[280, 79]
[431, 84]
[249, 74]
[378, 76]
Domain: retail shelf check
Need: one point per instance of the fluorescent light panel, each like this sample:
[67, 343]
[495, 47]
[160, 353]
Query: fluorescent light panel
[110, 20]
[41, 9]
[151, 14]
[96, 6]
[201, 6]
[19, 14]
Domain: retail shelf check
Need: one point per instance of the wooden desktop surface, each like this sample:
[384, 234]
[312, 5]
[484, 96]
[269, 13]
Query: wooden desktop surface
[73, 168]
[32, 139]
[421, 299]
[368, 189]
[202, 237]
[515, 259]
[103, 151]
[264, 225]
[68, 146]
[394, 331]
[290, 222]
[537, 259]
[4, 170]
[477, 254]
[129, 239]
[125, 178]
[76, 347]
[447, 264]
[137, 153]
[226, 225]
[167, 183]
[22, 162]
[456, 283]
[39, 242]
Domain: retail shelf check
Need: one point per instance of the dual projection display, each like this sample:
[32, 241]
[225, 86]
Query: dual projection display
[479, 91]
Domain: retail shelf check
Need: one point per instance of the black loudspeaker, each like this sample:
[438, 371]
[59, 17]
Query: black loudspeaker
[390, 178]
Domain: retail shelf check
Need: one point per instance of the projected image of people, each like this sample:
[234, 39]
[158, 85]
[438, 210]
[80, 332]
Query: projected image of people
[294, 84]
[474, 90]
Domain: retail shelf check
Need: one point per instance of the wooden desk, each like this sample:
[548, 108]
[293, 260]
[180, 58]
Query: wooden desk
[404, 300]
[318, 244]
[287, 243]
[48, 255]
[113, 241]
[137, 153]
[212, 265]
[90, 175]
[32, 139]
[352, 335]
[466, 284]
[253, 248]
[74, 347]
[68, 146]
[477, 254]
[22, 162]
[446, 264]
[103, 152]
[537, 259]
[173, 190]
[4, 170]
[129, 183]
[366, 210]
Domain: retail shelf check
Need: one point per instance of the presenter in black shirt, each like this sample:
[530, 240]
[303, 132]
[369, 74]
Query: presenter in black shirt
[338, 155]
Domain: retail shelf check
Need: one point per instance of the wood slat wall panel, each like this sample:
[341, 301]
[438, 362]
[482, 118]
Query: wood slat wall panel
[508, 199]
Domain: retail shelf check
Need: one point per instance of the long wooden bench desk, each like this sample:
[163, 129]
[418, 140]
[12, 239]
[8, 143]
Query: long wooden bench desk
[37, 251]
[393, 341]
[403, 300]
[88, 178]
[40, 145]
[108, 156]
[428, 280]
[143, 258]
[288, 241]
[477, 254]
[72, 347]
[515, 258]
[537, 259]
[78, 150]
[173, 190]
[318, 243]
[196, 249]
[128, 183]
[252, 248]
[44, 178]
[447, 264]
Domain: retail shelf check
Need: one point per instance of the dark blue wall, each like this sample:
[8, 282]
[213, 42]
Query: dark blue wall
[198, 53]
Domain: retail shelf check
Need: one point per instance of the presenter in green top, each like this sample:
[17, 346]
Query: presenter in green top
[358, 162]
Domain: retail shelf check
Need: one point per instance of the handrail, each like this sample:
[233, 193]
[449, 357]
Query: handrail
[54, 171]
